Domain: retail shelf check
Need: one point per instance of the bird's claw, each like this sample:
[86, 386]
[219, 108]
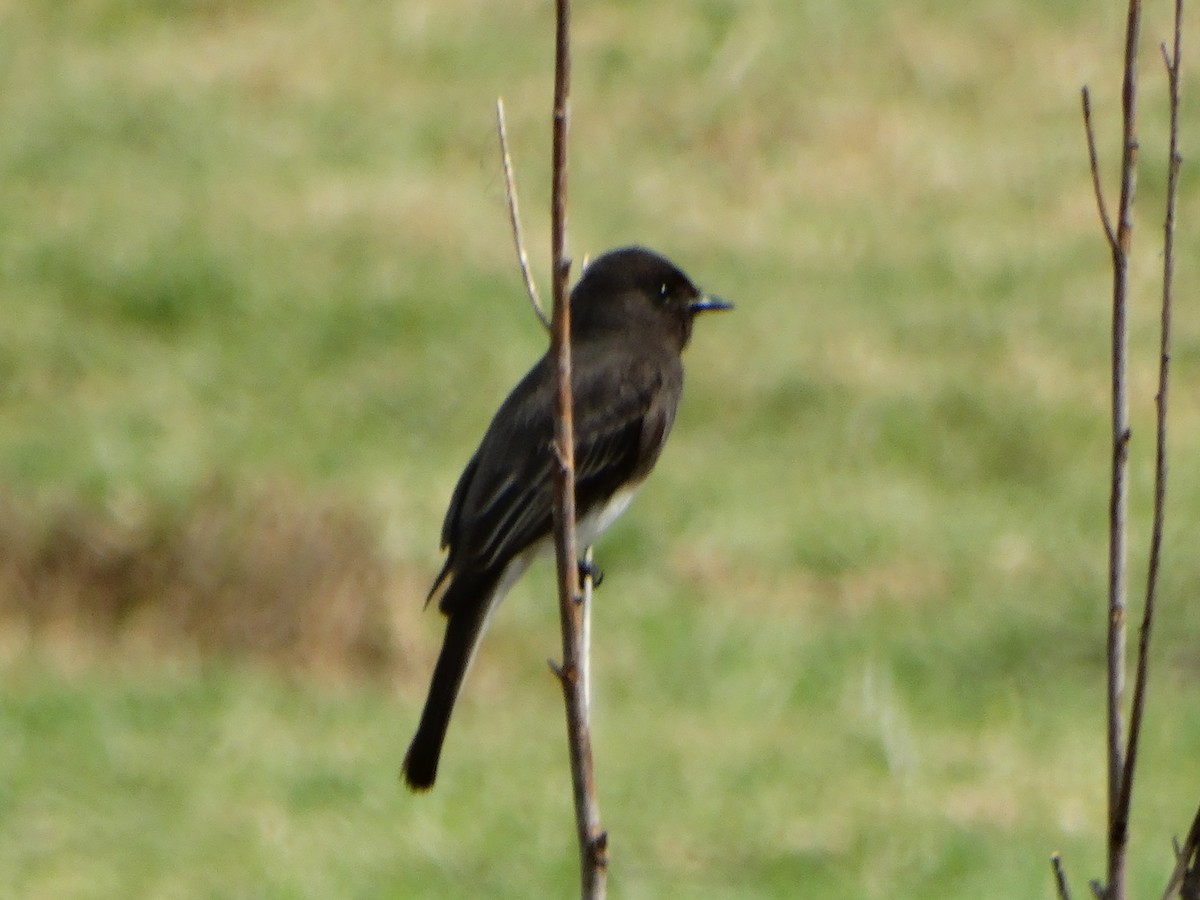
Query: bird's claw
[588, 569]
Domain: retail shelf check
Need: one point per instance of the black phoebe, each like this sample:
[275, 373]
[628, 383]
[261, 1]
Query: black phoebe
[631, 317]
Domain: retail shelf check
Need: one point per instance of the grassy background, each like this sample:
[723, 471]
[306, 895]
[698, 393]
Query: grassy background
[850, 644]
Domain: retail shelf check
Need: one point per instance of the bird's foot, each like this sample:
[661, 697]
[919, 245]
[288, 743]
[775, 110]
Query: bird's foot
[588, 569]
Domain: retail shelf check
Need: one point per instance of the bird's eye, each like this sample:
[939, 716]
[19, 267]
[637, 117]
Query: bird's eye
[663, 291]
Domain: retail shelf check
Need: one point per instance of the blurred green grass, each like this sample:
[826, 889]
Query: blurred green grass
[851, 639]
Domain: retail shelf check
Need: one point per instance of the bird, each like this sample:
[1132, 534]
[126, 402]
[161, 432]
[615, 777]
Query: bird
[631, 318]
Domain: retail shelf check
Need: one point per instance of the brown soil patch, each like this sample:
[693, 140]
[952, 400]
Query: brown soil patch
[268, 574]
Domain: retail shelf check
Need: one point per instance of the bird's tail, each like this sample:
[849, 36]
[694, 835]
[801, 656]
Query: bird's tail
[464, 628]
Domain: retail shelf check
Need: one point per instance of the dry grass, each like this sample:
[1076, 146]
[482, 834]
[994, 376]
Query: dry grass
[268, 575]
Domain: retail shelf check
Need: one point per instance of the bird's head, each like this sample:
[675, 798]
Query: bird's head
[636, 289]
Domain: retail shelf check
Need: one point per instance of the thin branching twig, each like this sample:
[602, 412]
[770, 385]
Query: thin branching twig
[514, 217]
[593, 840]
[1123, 754]
[1141, 678]
[1186, 874]
[1094, 163]
[1118, 811]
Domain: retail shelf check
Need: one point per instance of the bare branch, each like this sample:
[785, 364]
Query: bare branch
[514, 217]
[1095, 166]
[1118, 795]
[1137, 710]
[593, 840]
[1187, 864]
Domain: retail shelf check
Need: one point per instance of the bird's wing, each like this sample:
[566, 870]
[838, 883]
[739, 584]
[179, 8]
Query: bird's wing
[504, 501]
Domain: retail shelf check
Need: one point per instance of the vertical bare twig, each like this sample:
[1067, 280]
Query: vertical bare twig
[593, 840]
[1123, 755]
[1137, 709]
[1118, 815]
[514, 217]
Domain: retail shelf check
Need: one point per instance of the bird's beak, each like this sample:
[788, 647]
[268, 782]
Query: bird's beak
[707, 302]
